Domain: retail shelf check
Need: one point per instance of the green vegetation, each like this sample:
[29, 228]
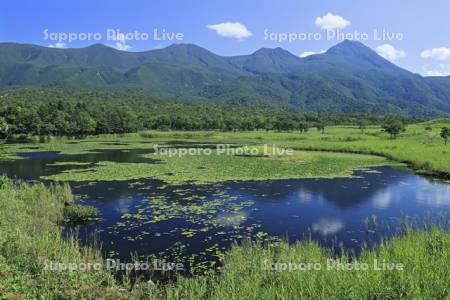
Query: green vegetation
[222, 167]
[3, 126]
[362, 125]
[445, 133]
[62, 111]
[394, 127]
[30, 237]
[421, 148]
[75, 213]
[4, 129]
[424, 255]
[348, 78]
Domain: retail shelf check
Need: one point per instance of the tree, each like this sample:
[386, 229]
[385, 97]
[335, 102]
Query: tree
[321, 127]
[303, 127]
[394, 127]
[4, 130]
[429, 133]
[362, 125]
[83, 124]
[445, 132]
[128, 119]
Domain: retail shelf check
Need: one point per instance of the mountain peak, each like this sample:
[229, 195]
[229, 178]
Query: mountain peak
[356, 55]
[349, 47]
[99, 46]
[270, 60]
[272, 51]
[183, 46]
[185, 49]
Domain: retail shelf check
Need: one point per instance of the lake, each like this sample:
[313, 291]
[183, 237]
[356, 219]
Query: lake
[195, 224]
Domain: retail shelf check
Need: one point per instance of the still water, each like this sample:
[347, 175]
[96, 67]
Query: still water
[195, 224]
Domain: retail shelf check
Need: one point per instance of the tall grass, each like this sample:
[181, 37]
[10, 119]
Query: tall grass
[30, 236]
[250, 272]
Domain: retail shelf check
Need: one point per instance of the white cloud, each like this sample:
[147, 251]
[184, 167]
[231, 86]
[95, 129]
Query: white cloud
[122, 46]
[439, 70]
[331, 22]
[441, 53]
[436, 73]
[389, 52]
[58, 45]
[121, 42]
[309, 53]
[232, 30]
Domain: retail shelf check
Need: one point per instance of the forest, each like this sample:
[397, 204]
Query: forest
[64, 111]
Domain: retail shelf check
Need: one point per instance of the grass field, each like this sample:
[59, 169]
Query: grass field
[30, 235]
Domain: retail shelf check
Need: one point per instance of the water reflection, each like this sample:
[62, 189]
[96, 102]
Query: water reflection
[328, 226]
[195, 223]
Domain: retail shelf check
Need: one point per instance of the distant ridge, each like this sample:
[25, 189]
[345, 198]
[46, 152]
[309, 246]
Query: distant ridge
[348, 78]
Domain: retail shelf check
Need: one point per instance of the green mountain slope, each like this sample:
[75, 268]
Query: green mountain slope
[349, 77]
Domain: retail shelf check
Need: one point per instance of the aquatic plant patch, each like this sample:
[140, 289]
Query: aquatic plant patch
[218, 168]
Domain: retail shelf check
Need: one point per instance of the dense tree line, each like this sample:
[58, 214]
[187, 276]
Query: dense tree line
[63, 111]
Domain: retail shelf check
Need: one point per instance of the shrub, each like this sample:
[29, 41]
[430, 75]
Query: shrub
[75, 213]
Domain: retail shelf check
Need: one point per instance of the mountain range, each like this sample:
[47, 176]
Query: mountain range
[348, 78]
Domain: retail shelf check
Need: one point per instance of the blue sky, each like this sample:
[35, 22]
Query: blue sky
[238, 27]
